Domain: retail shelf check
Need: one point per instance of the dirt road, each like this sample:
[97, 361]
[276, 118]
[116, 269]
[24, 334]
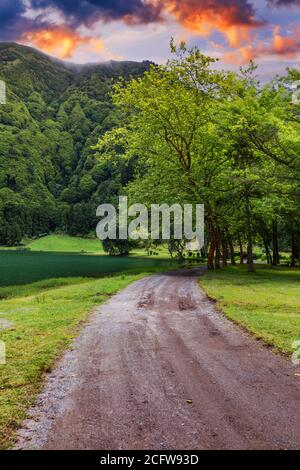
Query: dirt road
[158, 367]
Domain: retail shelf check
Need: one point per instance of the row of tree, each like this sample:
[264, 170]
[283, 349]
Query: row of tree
[196, 134]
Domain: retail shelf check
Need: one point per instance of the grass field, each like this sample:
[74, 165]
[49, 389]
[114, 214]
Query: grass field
[266, 303]
[44, 317]
[66, 243]
[27, 267]
[45, 293]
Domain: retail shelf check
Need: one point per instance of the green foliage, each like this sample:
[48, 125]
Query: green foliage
[200, 135]
[182, 132]
[49, 175]
[118, 247]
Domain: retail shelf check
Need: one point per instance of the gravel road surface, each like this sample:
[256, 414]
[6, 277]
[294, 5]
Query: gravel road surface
[158, 367]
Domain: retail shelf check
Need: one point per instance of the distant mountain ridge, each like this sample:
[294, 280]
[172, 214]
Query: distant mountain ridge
[55, 112]
[15, 58]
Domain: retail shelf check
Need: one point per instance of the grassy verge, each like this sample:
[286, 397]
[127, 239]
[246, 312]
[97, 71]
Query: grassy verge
[65, 243]
[44, 318]
[266, 303]
[37, 287]
[61, 243]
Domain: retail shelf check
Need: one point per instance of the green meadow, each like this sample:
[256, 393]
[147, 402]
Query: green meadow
[44, 318]
[66, 243]
[47, 290]
[46, 296]
[267, 302]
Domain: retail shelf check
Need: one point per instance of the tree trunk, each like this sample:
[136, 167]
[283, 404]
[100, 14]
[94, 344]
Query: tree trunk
[218, 256]
[213, 242]
[224, 250]
[211, 254]
[232, 257]
[251, 268]
[276, 259]
[268, 254]
[293, 246]
[295, 242]
[241, 250]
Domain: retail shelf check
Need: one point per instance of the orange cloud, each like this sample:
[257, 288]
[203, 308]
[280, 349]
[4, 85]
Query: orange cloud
[61, 42]
[233, 18]
[242, 55]
[288, 46]
[280, 46]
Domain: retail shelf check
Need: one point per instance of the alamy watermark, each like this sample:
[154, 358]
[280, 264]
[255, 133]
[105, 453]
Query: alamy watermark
[2, 353]
[296, 92]
[159, 222]
[2, 344]
[296, 353]
[2, 92]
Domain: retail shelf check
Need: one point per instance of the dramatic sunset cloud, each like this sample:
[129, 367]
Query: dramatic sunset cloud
[279, 46]
[61, 42]
[94, 30]
[90, 11]
[234, 18]
[287, 46]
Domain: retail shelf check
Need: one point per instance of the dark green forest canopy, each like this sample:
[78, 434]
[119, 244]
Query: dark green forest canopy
[49, 175]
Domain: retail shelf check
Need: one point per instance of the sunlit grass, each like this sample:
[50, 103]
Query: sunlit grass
[66, 243]
[45, 317]
[266, 303]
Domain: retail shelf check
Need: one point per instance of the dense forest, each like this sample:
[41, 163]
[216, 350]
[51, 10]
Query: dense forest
[74, 137]
[55, 113]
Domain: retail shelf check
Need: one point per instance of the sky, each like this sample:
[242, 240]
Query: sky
[82, 31]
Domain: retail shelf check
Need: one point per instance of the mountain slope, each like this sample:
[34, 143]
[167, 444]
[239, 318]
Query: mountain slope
[26, 71]
[55, 113]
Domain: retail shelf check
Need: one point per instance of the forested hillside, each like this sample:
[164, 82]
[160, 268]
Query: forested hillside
[184, 132]
[49, 175]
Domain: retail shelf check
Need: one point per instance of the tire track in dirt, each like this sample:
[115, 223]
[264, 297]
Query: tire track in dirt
[158, 367]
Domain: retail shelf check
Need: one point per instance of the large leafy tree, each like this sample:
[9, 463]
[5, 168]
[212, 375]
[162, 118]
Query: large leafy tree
[172, 114]
[204, 136]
